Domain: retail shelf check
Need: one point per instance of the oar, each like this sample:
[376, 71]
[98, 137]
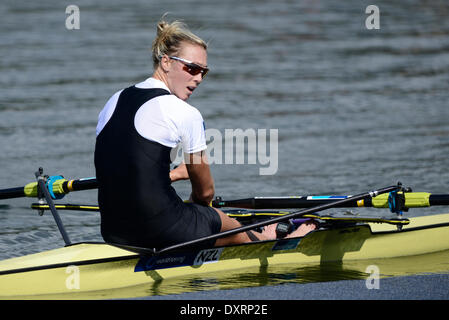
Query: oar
[296, 214]
[59, 187]
[412, 200]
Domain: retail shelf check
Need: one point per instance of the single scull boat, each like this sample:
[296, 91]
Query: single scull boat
[103, 270]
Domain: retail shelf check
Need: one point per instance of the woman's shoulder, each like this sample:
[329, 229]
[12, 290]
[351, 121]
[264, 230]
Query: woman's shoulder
[179, 107]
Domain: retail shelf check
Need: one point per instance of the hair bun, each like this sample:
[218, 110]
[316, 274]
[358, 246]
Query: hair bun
[160, 27]
[169, 38]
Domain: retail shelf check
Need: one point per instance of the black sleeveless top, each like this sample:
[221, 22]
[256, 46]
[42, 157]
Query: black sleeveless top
[138, 205]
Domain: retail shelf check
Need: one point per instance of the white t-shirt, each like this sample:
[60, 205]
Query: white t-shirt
[166, 119]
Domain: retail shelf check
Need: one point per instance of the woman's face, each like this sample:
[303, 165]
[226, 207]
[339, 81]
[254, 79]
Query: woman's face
[180, 82]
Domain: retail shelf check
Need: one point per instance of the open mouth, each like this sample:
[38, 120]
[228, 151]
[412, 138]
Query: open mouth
[191, 88]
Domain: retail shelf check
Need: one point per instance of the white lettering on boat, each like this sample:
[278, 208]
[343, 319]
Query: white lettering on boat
[207, 256]
[170, 260]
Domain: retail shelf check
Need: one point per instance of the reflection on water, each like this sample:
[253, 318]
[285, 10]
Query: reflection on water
[254, 277]
[276, 275]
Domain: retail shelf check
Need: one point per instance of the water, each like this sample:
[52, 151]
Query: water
[356, 109]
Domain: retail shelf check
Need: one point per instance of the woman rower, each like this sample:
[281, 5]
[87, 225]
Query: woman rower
[136, 132]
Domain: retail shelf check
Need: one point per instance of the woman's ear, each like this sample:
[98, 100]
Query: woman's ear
[164, 63]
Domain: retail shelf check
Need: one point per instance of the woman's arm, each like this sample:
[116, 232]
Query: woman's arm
[198, 171]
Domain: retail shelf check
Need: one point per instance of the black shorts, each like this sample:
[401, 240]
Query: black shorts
[193, 222]
[178, 223]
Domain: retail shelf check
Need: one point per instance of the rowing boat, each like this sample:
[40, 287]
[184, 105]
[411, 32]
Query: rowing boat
[107, 271]
[91, 270]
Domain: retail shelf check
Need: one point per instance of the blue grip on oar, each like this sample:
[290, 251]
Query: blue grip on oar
[395, 202]
[49, 184]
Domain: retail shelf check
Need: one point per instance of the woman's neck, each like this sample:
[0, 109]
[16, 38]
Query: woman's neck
[161, 76]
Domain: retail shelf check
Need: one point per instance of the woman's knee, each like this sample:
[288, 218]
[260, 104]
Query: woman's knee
[227, 223]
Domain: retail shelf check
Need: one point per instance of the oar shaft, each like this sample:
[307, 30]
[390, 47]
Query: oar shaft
[412, 200]
[61, 186]
[80, 184]
[282, 202]
[12, 193]
[439, 200]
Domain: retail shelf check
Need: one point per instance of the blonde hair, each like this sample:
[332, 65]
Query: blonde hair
[169, 39]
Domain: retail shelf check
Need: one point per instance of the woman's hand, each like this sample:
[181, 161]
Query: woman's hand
[179, 173]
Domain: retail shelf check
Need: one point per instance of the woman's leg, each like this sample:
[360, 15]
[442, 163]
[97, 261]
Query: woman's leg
[269, 233]
[228, 223]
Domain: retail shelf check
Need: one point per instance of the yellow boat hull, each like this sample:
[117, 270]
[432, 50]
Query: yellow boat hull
[102, 271]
